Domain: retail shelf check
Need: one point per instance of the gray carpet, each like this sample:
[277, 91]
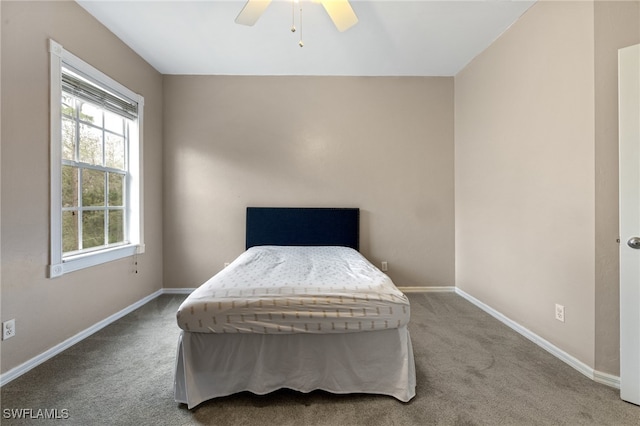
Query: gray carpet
[471, 369]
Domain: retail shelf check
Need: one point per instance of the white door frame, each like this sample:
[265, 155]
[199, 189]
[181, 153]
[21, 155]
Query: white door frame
[629, 122]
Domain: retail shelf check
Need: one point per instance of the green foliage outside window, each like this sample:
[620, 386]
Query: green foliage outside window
[93, 176]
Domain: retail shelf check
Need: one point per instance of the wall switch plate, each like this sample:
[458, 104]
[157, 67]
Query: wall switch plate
[559, 312]
[385, 266]
[8, 329]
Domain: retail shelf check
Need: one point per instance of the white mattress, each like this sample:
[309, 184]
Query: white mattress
[286, 290]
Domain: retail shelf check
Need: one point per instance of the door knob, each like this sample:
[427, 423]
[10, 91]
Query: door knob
[634, 242]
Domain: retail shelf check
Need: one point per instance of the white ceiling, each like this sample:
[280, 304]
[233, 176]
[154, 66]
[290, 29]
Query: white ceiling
[392, 38]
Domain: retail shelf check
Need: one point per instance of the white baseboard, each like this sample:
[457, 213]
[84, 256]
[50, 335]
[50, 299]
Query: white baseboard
[597, 376]
[177, 290]
[446, 289]
[606, 379]
[50, 353]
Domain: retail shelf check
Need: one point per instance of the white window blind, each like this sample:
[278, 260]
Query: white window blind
[96, 166]
[92, 93]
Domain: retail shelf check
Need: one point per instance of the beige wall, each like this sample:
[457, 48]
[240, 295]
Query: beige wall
[384, 145]
[525, 178]
[617, 25]
[537, 174]
[48, 311]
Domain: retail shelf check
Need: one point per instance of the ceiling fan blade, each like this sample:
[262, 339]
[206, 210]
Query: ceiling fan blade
[251, 11]
[341, 13]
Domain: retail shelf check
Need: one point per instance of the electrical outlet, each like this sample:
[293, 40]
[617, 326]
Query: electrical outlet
[8, 329]
[559, 312]
[385, 266]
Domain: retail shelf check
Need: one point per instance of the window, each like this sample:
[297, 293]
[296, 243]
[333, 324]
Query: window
[96, 209]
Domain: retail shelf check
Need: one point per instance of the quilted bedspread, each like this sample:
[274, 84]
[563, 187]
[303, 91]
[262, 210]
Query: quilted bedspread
[286, 289]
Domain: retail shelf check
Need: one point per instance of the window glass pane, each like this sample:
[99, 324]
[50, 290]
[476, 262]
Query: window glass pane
[114, 147]
[91, 114]
[68, 105]
[92, 229]
[69, 231]
[69, 186]
[90, 145]
[68, 139]
[93, 188]
[114, 123]
[96, 214]
[116, 189]
[116, 226]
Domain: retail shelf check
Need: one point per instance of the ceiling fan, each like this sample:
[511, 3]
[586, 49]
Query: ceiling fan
[339, 11]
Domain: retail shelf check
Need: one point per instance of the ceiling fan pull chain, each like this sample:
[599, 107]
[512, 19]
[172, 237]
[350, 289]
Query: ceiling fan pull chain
[301, 44]
[293, 16]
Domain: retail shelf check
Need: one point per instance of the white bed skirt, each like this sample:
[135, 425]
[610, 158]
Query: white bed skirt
[214, 365]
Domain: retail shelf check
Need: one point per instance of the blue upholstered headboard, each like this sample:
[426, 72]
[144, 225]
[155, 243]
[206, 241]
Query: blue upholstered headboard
[303, 226]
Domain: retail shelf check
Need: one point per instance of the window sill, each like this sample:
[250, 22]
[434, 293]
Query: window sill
[87, 260]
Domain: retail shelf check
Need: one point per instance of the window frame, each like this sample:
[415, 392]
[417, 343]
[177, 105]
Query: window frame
[59, 264]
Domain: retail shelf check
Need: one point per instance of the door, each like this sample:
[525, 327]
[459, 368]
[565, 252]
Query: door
[629, 117]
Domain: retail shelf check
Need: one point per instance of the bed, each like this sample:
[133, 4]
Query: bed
[301, 309]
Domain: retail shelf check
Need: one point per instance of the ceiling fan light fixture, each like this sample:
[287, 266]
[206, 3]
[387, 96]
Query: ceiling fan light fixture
[252, 11]
[340, 12]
